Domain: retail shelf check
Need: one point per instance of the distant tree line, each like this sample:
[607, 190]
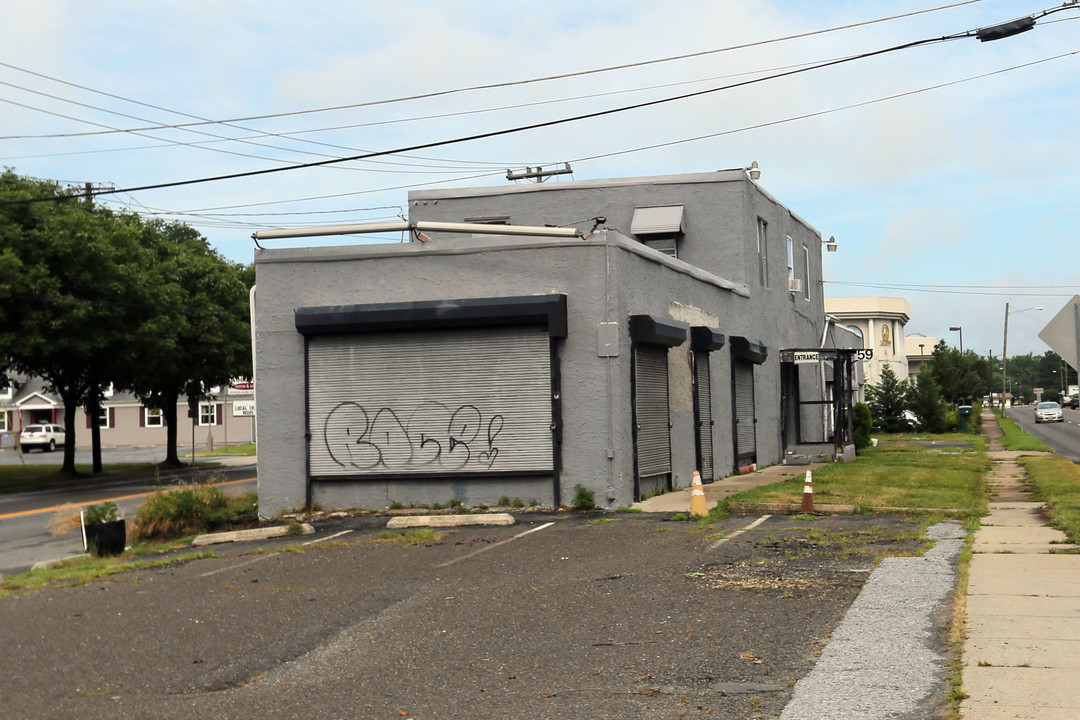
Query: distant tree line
[91, 297]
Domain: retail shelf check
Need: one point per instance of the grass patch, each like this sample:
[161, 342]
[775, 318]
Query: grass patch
[902, 473]
[241, 449]
[1016, 438]
[419, 536]
[82, 570]
[1055, 480]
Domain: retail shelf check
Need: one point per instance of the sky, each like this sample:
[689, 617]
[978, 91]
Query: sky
[946, 170]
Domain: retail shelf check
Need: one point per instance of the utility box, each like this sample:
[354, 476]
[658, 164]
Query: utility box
[964, 412]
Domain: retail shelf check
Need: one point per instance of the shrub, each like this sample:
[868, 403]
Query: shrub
[101, 513]
[863, 423]
[190, 510]
[584, 499]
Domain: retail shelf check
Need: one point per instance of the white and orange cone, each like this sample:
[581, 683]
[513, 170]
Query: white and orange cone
[808, 493]
[698, 506]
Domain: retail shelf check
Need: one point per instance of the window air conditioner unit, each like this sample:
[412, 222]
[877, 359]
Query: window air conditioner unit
[794, 285]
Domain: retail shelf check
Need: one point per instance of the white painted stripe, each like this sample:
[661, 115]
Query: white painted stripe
[495, 545]
[737, 533]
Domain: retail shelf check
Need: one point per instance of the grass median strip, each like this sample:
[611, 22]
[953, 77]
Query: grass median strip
[940, 472]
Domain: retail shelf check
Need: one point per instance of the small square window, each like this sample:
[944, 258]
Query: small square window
[154, 417]
[208, 414]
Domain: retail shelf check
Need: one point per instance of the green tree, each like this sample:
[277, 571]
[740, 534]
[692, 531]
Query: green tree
[201, 333]
[960, 377]
[927, 405]
[888, 400]
[71, 293]
[863, 424]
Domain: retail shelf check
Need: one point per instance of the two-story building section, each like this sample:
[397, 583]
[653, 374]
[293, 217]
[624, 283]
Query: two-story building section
[522, 341]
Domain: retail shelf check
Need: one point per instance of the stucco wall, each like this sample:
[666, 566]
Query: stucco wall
[606, 278]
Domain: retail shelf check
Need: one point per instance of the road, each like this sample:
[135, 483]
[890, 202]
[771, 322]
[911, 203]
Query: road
[25, 535]
[1063, 437]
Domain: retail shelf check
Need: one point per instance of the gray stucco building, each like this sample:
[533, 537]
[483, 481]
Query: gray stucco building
[652, 341]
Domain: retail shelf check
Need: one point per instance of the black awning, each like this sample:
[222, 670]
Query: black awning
[548, 311]
[653, 330]
[750, 349]
[706, 338]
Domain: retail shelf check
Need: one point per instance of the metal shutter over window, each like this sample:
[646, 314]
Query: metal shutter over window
[745, 434]
[703, 398]
[423, 403]
[651, 411]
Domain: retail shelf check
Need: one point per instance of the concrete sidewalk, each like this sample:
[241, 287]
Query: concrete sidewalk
[679, 500]
[1022, 640]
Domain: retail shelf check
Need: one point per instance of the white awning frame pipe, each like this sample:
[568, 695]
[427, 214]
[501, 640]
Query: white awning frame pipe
[472, 228]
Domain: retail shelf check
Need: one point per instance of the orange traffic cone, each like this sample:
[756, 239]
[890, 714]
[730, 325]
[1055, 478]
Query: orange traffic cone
[808, 494]
[698, 506]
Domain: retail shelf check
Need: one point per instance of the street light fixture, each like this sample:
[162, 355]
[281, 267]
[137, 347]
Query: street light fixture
[961, 330]
[1005, 349]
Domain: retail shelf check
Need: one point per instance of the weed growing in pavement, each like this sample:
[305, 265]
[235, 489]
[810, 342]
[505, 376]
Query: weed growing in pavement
[82, 570]
[418, 536]
[600, 521]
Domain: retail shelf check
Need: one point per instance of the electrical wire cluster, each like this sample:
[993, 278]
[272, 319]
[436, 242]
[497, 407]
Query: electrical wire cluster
[252, 140]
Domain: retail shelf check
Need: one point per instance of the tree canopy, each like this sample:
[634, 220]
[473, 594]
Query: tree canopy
[90, 297]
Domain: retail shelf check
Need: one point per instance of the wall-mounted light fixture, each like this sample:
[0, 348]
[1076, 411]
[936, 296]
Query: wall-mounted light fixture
[754, 171]
[830, 244]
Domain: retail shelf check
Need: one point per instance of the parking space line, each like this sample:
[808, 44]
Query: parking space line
[494, 545]
[739, 532]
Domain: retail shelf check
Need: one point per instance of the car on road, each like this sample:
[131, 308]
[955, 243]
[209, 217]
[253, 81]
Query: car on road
[1049, 412]
[1070, 401]
[47, 437]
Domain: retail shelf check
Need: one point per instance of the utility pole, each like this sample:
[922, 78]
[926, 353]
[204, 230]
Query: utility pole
[538, 174]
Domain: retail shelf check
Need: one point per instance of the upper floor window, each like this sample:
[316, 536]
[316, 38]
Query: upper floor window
[806, 272]
[790, 259]
[659, 227]
[763, 251]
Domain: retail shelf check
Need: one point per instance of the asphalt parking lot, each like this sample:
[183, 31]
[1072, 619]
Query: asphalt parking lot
[607, 616]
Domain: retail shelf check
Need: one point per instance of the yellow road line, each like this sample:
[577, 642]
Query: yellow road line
[54, 508]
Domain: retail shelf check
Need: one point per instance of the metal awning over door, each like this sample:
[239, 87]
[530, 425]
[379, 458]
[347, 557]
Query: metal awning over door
[436, 403]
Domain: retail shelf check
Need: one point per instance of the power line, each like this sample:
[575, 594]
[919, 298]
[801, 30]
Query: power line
[522, 128]
[489, 86]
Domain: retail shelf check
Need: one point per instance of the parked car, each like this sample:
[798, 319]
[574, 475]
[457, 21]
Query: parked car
[1071, 401]
[1049, 412]
[46, 437]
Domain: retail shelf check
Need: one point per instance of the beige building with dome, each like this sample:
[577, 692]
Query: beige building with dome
[881, 322]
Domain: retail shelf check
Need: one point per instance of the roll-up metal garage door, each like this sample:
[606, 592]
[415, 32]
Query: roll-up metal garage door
[703, 406]
[651, 415]
[445, 402]
[745, 433]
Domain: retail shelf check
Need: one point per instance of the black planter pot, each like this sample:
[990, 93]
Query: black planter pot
[108, 538]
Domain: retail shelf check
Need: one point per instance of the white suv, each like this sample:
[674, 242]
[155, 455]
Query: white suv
[46, 437]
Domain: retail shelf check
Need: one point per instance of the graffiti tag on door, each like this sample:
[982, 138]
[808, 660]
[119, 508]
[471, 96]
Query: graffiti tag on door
[433, 436]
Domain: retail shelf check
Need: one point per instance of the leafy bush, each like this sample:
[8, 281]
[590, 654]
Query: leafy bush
[863, 423]
[584, 499]
[101, 513]
[191, 510]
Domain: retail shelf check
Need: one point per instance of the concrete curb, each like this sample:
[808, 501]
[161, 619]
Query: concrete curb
[449, 520]
[253, 534]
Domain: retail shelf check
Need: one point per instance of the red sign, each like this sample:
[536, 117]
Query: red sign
[243, 386]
